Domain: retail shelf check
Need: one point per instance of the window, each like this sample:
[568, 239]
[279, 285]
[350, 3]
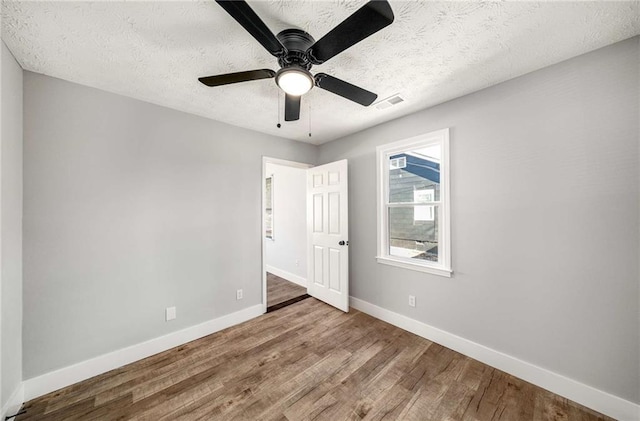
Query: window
[268, 207]
[423, 213]
[399, 162]
[413, 203]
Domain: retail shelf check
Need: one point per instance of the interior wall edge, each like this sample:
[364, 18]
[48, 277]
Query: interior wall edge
[11, 199]
[14, 402]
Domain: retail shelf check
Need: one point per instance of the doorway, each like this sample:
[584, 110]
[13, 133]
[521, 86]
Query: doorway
[284, 233]
[305, 228]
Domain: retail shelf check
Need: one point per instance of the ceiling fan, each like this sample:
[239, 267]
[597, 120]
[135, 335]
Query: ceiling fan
[297, 52]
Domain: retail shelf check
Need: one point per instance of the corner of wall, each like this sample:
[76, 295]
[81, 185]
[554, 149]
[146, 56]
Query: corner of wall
[11, 211]
[14, 403]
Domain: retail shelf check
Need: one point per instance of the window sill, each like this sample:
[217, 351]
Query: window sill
[440, 271]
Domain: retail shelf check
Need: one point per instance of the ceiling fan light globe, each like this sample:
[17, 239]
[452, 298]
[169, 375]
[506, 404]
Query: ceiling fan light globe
[294, 81]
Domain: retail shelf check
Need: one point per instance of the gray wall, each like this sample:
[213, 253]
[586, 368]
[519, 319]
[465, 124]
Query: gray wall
[545, 250]
[11, 226]
[130, 208]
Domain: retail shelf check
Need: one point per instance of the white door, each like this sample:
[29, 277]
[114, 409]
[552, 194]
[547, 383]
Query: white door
[328, 229]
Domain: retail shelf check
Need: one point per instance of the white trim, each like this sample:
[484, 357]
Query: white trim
[14, 403]
[291, 277]
[66, 376]
[407, 264]
[443, 267]
[581, 393]
[285, 163]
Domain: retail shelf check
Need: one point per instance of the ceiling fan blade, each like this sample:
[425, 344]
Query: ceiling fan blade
[345, 89]
[291, 108]
[245, 16]
[366, 21]
[226, 79]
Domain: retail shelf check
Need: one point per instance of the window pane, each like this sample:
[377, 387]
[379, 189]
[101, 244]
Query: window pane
[267, 193]
[414, 176]
[268, 224]
[413, 232]
[268, 210]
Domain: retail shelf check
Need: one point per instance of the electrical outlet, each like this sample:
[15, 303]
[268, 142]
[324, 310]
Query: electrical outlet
[412, 300]
[170, 313]
[239, 294]
[297, 262]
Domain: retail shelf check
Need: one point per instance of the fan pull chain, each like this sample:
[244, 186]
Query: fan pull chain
[278, 125]
[309, 120]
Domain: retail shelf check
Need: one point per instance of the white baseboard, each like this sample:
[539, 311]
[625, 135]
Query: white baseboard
[66, 376]
[14, 403]
[583, 394]
[296, 279]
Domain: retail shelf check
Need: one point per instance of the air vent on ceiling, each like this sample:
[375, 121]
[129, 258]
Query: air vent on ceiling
[389, 102]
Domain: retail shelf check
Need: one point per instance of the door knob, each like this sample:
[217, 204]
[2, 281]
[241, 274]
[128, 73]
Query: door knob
[342, 243]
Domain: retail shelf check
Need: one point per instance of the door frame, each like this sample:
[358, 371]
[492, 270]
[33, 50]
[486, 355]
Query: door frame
[286, 163]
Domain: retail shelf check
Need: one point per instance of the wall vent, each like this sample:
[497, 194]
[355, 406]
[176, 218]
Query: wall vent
[389, 102]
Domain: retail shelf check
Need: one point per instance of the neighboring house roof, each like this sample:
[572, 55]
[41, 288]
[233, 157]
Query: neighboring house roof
[421, 166]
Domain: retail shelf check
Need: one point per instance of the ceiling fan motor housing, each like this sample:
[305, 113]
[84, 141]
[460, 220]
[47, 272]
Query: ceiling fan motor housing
[296, 42]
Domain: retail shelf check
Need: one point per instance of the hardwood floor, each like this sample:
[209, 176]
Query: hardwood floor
[307, 361]
[280, 290]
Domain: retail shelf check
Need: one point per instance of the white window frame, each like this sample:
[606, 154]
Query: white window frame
[383, 154]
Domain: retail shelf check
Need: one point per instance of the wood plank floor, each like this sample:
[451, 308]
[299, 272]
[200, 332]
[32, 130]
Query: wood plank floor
[280, 290]
[307, 361]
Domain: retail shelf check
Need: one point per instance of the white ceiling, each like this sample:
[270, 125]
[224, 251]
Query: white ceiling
[433, 52]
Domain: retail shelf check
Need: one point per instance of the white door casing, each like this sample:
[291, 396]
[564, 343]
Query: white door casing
[328, 229]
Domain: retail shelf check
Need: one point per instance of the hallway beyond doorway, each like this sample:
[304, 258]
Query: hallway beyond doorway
[281, 293]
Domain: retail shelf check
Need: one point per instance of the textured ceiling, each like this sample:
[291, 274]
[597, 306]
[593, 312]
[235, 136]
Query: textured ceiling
[433, 52]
